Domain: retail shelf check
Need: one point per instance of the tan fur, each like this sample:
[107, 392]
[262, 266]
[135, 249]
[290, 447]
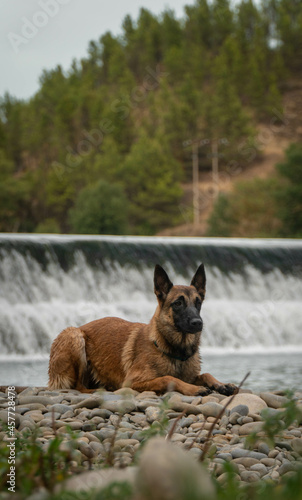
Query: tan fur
[113, 353]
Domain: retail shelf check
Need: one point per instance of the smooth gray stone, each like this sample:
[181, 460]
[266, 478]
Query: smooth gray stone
[273, 400]
[243, 410]
[44, 400]
[60, 408]
[210, 409]
[263, 448]
[241, 452]
[225, 456]
[56, 415]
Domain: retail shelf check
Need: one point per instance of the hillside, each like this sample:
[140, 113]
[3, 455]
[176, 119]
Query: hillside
[272, 138]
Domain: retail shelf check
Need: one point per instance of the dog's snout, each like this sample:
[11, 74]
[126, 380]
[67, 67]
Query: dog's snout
[196, 323]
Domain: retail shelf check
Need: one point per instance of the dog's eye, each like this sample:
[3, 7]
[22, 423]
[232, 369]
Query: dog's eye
[177, 304]
[198, 303]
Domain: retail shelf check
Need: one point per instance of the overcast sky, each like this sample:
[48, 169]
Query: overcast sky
[38, 34]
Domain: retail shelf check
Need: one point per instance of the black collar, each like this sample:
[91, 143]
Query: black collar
[179, 358]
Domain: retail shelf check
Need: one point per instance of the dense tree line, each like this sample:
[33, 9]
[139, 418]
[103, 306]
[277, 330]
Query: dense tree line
[260, 208]
[108, 136]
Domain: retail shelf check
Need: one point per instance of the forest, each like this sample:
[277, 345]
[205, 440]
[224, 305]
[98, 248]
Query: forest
[101, 148]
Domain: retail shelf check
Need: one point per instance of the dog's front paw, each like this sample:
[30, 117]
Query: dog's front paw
[226, 389]
[203, 391]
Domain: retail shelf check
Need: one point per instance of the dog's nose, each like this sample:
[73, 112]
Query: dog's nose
[196, 323]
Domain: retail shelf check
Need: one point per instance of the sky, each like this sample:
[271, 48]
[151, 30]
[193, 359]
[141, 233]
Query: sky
[40, 34]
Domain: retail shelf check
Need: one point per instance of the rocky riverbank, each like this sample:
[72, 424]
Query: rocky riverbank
[111, 426]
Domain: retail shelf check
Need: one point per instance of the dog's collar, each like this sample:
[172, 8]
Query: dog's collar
[179, 358]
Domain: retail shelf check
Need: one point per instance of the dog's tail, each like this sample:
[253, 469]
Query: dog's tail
[67, 363]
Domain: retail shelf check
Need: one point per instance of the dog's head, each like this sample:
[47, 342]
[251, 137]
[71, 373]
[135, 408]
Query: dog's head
[181, 304]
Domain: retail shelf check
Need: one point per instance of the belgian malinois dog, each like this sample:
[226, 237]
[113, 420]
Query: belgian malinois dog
[161, 356]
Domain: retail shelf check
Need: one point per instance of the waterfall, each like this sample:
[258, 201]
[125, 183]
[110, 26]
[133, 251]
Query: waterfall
[253, 299]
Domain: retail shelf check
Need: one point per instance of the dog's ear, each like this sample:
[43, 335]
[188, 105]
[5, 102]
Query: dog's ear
[199, 281]
[162, 283]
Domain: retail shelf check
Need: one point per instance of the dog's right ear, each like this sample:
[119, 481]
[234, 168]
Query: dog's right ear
[162, 283]
[199, 281]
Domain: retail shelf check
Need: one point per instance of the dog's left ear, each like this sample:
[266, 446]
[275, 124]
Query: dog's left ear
[199, 281]
[162, 283]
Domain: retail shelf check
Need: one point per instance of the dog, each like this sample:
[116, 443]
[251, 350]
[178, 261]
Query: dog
[160, 356]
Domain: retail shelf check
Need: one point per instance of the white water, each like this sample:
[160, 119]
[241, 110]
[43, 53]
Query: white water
[250, 311]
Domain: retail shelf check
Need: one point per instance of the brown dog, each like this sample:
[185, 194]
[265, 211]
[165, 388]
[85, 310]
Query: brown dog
[161, 356]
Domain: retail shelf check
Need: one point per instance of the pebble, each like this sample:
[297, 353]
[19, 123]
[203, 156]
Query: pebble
[121, 407]
[225, 456]
[241, 452]
[246, 461]
[152, 413]
[254, 403]
[246, 429]
[98, 418]
[4, 417]
[176, 404]
[260, 468]
[233, 418]
[52, 415]
[43, 400]
[263, 448]
[210, 409]
[296, 445]
[60, 408]
[242, 409]
[90, 403]
[249, 476]
[273, 400]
